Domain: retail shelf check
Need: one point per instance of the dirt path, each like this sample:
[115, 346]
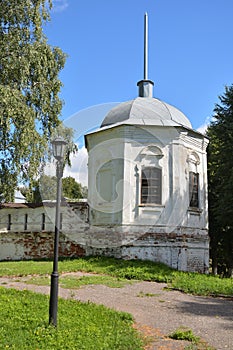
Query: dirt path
[156, 310]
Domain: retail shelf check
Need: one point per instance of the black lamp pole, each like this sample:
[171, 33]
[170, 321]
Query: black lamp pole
[58, 152]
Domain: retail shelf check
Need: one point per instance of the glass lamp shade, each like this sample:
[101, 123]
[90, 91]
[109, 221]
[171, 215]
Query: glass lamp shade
[59, 145]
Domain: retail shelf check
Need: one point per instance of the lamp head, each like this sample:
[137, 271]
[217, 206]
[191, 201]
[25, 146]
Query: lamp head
[59, 145]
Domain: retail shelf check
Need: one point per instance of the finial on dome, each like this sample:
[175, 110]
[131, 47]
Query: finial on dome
[145, 85]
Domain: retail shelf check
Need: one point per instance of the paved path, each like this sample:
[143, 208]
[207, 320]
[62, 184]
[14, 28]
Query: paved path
[158, 308]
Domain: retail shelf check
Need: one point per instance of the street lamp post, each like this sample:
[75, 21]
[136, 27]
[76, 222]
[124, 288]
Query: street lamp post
[58, 152]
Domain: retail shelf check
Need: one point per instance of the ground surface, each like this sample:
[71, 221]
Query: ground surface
[157, 311]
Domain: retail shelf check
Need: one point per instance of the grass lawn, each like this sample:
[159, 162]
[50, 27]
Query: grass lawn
[24, 315]
[74, 282]
[24, 325]
[193, 283]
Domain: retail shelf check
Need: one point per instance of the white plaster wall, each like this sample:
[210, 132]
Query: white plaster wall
[127, 142]
[72, 217]
[105, 196]
[175, 147]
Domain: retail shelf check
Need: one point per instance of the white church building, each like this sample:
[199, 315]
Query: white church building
[147, 182]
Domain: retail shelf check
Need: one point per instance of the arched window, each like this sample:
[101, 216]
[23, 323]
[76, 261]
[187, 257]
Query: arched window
[151, 185]
[193, 161]
[193, 189]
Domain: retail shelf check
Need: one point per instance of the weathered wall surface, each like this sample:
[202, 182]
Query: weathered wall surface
[182, 248]
[35, 245]
[27, 230]
[172, 232]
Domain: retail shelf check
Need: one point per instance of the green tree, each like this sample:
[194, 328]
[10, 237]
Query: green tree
[29, 91]
[45, 189]
[220, 174]
[84, 191]
[71, 189]
[68, 136]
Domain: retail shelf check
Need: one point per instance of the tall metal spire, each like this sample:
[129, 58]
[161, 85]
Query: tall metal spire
[145, 85]
[145, 46]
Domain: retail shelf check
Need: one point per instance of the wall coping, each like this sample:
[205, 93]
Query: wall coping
[43, 204]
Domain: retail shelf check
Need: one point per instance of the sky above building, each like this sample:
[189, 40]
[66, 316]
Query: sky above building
[190, 55]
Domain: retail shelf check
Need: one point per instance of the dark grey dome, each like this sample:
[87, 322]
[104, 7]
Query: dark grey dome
[146, 111]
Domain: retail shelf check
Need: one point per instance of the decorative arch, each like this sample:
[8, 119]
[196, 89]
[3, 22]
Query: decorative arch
[152, 151]
[193, 158]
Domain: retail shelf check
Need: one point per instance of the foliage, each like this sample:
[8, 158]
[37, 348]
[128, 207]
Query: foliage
[193, 283]
[71, 188]
[29, 90]
[41, 189]
[45, 188]
[220, 176]
[84, 191]
[24, 325]
[68, 136]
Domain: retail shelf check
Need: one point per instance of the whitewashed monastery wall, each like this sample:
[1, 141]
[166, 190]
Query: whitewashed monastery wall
[27, 232]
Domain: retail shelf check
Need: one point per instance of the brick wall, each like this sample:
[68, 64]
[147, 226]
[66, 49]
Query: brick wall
[27, 230]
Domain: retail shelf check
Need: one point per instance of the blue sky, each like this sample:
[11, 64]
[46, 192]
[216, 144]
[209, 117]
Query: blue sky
[190, 52]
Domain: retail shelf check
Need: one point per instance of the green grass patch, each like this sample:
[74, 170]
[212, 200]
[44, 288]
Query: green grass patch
[39, 280]
[109, 281]
[183, 333]
[129, 269]
[73, 282]
[24, 325]
[193, 283]
[196, 343]
[24, 268]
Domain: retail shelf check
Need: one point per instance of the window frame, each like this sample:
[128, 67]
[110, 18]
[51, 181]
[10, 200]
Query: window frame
[148, 185]
[194, 184]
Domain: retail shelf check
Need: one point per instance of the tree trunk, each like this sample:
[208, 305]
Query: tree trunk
[214, 256]
[215, 268]
[230, 272]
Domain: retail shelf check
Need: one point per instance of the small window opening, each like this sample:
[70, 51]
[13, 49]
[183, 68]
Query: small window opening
[43, 222]
[151, 186]
[9, 223]
[25, 222]
[193, 189]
